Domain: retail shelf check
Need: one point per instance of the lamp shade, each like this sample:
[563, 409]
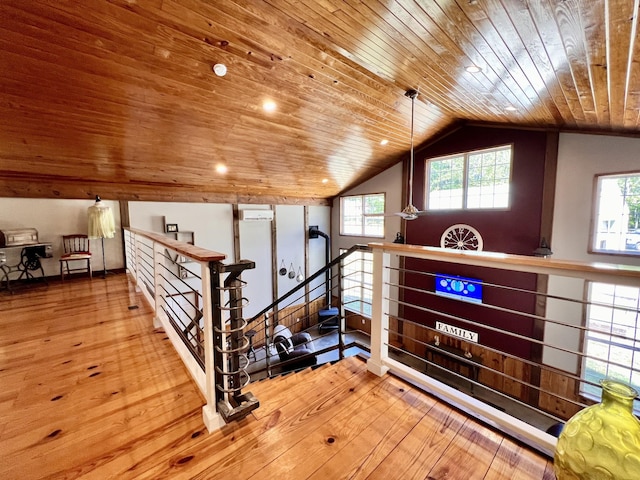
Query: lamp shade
[101, 223]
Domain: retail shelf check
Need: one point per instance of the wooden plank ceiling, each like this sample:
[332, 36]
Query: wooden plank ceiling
[118, 97]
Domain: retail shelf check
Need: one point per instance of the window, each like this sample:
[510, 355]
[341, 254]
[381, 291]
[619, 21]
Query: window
[612, 337]
[616, 227]
[357, 271]
[472, 180]
[362, 215]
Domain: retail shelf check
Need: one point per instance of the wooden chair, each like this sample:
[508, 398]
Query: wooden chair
[76, 249]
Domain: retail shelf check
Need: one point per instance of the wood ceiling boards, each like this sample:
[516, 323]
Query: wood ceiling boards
[118, 97]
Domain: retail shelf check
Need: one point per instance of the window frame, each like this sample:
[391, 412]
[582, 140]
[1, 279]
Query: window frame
[595, 219]
[465, 179]
[364, 215]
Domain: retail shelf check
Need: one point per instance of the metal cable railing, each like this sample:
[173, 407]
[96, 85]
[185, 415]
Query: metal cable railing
[505, 338]
[521, 342]
[430, 332]
[319, 327]
[200, 311]
[183, 303]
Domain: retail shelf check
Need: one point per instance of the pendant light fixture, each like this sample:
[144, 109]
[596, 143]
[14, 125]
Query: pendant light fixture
[410, 212]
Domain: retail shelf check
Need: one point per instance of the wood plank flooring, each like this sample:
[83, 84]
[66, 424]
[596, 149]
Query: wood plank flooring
[88, 389]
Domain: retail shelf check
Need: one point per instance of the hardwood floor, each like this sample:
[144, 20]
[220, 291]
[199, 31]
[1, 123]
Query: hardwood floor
[90, 390]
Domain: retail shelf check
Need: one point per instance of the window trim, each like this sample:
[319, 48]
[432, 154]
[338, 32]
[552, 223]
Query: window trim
[364, 215]
[593, 225]
[465, 180]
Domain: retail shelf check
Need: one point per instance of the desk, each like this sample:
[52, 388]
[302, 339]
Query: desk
[454, 355]
[29, 262]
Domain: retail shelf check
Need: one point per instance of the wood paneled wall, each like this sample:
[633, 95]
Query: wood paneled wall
[355, 321]
[558, 382]
[500, 372]
[293, 317]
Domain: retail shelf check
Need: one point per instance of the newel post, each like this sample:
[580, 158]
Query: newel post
[380, 313]
[212, 419]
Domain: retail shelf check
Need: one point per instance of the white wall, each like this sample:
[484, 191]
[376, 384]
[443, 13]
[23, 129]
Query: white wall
[320, 216]
[388, 182]
[255, 245]
[212, 223]
[290, 237]
[580, 158]
[54, 218]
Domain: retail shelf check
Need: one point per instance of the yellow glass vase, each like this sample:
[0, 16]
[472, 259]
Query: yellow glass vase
[601, 442]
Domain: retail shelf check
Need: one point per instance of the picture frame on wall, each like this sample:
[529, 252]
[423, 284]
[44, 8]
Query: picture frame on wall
[171, 227]
[184, 273]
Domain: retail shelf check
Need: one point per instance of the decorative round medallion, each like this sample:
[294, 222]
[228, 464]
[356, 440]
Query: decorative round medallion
[461, 237]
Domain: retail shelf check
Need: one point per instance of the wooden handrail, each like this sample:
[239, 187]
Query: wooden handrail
[197, 253]
[628, 274]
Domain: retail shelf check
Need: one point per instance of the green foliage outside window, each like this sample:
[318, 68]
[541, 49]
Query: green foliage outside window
[616, 226]
[630, 189]
[477, 179]
[362, 215]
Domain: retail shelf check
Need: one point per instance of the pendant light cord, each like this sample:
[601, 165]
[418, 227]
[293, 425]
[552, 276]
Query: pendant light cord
[412, 94]
[413, 99]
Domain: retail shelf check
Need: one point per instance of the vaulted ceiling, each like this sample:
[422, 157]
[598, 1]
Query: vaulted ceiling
[119, 98]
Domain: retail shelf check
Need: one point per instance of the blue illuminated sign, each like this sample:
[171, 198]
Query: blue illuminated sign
[460, 288]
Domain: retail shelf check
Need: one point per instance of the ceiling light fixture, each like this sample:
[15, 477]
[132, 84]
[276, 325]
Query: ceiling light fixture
[220, 69]
[510, 108]
[384, 141]
[325, 180]
[410, 212]
[221, 168]
[473, 69]
[269, 106]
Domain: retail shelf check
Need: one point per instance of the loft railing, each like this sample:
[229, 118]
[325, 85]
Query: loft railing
[514, 355]
[521, 357]
[526, 353]
[198, 301]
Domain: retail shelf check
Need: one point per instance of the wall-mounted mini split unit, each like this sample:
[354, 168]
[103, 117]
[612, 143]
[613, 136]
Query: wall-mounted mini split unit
[256, 215]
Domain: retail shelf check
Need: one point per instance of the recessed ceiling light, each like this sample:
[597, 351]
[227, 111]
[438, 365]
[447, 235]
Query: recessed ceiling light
[221, 168]
[269, 106]
[325, 180]
[473, 69]
[510, 108]
[384, 141]
[220, 69]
